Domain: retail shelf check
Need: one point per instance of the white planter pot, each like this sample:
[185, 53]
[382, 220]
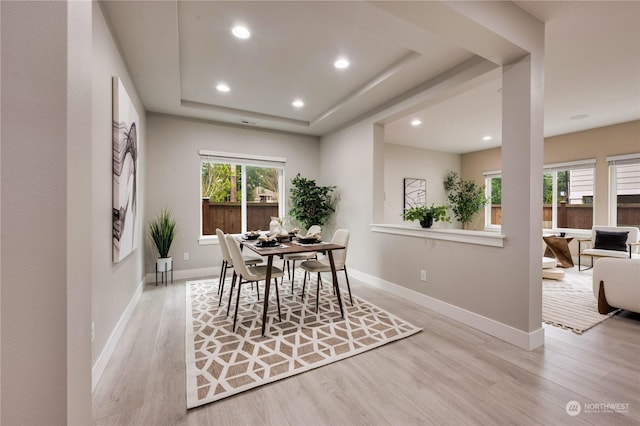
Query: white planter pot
[164, 264]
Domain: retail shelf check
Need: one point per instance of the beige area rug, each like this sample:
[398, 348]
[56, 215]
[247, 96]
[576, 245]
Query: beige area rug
[221, 363]
[570, 303]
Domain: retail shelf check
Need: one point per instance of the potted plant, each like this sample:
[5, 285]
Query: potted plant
[465, 196]
[310, 204]
[426, 215]
[162, 230]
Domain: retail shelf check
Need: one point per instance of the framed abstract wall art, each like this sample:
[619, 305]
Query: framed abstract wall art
[415, 192]
[125, 173]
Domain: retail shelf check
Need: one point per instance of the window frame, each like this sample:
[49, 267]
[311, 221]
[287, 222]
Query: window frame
[488, 226]
[243, 160]
[614, 161]
[567, 166]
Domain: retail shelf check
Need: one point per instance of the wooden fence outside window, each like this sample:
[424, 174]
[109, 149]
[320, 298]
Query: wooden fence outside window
[227, 216]
[577, 216]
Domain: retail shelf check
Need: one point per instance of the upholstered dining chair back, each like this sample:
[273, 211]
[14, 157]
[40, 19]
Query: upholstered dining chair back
[340, 237]
[224, 248]
[314, 229]
[238, 261]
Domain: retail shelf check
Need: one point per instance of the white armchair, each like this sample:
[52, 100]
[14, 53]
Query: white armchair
[616, 284]
[609, 241]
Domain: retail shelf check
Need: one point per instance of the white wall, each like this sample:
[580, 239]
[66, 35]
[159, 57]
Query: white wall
[467, 276]
[79, 218]
[34, 208]
[173, 177]
[114, 284]
[46, 132]
[498, 284]
[408, 162]
[347, 161]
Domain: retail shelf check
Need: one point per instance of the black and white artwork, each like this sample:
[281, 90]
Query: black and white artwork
[415, 192]
[125, 173]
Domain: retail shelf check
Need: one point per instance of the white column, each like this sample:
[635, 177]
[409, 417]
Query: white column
[79, 217]
[522, 149]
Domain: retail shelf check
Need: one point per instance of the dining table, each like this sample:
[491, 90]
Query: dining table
[290, 247]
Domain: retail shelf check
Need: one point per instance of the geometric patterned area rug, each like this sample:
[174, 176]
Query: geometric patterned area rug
[221, 363]
[570, 303]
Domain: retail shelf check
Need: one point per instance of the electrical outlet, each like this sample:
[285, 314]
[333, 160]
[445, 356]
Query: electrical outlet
[93, 331]
[423, 275]
[186, 256]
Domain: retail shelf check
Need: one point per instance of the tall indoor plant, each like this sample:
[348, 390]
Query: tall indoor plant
[465, 197]
[310, 204]
[162, 230]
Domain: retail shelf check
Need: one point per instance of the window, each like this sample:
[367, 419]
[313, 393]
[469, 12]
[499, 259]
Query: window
[240, 193]
[493, 209]
[567, 191]
[624, 182]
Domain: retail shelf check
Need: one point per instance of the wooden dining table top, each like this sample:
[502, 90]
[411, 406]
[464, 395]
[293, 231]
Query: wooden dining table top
[288, 247]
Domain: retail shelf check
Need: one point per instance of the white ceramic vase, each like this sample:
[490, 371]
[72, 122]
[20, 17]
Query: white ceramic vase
[164, 264]
[274, 226]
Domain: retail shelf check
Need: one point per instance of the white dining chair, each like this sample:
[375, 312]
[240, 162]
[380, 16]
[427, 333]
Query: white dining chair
[341, 237]
[227, 262]
[250, 274]
[314, 229]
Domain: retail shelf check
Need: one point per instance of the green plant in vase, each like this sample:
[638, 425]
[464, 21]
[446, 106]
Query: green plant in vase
[465, 196]
[162, 231]
[310, 204]
[426, 215]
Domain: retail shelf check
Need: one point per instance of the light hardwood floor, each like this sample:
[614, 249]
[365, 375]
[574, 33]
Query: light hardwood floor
[448, 374]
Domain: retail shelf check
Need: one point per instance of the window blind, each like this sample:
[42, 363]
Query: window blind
[571, 165]
[618, 160]
[242, 159]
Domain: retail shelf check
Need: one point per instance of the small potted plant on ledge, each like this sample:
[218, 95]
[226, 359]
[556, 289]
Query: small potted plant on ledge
[162, 230]
[426, 215]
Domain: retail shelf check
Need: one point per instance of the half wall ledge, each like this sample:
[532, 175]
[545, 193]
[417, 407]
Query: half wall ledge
[483, 238]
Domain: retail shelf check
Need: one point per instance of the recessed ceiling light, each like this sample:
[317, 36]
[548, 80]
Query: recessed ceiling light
[341, 63]
[297, 103]
[241, 31]
[222, 87]
[416, 122]
[579, 116]
[487, 138]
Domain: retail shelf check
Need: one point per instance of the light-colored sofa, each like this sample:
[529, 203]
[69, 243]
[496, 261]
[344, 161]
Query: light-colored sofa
[616, 284]
[628, 249]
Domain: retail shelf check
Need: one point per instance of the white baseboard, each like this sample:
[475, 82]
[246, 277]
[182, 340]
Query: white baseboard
[519, 338]
[103, 359]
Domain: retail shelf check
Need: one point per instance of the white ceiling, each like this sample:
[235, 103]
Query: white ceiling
[178, 51]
